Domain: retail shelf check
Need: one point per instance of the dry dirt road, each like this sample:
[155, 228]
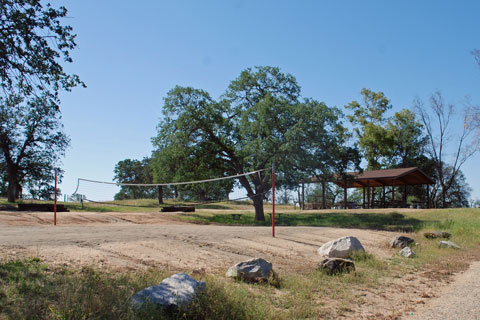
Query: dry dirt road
[136, 241]
[460, 300]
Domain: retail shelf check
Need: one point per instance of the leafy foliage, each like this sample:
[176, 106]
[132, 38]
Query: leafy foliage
[179, 164]
[407, 140]
[33, 42]
[31, 143]
[259, 121]
[134, 172]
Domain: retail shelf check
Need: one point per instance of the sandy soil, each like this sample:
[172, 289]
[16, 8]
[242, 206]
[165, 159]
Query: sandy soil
[133, 241]
[140, 240]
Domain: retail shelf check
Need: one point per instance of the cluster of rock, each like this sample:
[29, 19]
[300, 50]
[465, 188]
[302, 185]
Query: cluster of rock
[403, 243]
[335, 253]
[181, 289]
[442, 235]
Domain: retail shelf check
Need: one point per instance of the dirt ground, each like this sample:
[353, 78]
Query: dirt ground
[142, 240]
[133, 241]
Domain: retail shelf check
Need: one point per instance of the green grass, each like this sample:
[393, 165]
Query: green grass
[30, 290]
[138, 205]
[390, 221]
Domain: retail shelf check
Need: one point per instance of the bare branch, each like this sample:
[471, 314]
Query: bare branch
[439, 140]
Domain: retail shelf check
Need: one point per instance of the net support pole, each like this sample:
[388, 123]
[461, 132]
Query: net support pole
[273, 200]
[55, 201]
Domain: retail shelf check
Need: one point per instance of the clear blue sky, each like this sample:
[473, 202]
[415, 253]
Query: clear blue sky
[130, 54]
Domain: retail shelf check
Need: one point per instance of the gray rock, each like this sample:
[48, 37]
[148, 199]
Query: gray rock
[340, 248]
[407, 252]
[437, 234]
[336, 265]
[448, 244]
[401, 242]
[170, 293]
[256, 269]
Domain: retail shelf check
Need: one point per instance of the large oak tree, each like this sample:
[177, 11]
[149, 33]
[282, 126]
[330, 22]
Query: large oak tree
[33, 46]
[32, 142]
[261, 120]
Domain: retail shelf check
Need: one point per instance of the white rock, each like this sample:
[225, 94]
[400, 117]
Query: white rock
[251, 270]
[448, 244]
[340, 248]
[407, 252]
[171, 292]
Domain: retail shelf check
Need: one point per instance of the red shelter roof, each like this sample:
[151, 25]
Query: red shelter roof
[389, 177]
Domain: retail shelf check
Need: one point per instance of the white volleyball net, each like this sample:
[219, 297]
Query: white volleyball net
[211, 190]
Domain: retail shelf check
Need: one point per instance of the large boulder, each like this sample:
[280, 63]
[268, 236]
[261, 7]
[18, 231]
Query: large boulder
[437, 234]
[340, 248]
[401, 242]
[448, 244]
[177, 290]
[336, 265]
[254, 270]
[407, 252]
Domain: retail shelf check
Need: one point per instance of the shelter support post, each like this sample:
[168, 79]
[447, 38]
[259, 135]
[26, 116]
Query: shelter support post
[373, 197]
[384, 205]
[393, 193]
[368, 195]
[405, 196]
[363, 204]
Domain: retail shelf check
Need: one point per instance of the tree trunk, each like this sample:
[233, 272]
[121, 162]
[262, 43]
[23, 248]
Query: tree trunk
[12, 189]
[258, 204]
[444, 203]
[160, 194]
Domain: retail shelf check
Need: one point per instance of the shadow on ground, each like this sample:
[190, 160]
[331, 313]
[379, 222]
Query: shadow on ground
[376, 221]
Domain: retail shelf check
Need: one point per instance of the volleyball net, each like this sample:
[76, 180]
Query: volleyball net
[212, 190]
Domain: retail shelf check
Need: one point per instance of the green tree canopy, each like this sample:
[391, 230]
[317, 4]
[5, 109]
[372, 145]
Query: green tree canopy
[32, 142]
[408, 142]
[134, 172]
[369, 121]
[260, 120]
[387, 142]
[33, 44]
